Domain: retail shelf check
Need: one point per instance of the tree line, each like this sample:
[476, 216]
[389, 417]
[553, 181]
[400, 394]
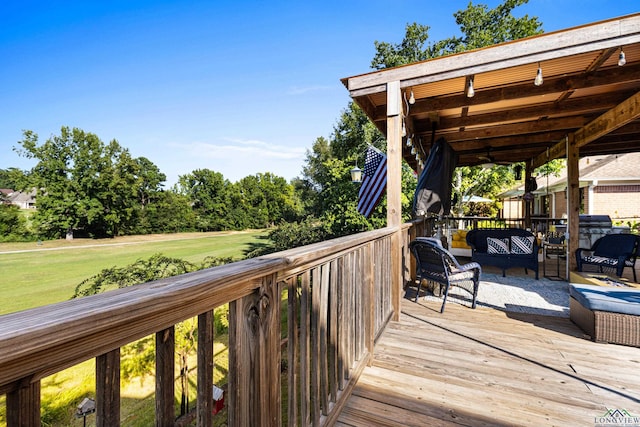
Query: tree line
[94, 189]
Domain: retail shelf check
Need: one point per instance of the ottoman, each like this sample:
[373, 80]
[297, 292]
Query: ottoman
[607, 314]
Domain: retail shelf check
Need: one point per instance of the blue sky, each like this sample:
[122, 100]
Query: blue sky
[237, 87]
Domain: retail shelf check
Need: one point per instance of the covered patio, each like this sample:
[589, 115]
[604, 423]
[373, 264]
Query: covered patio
[570, 94]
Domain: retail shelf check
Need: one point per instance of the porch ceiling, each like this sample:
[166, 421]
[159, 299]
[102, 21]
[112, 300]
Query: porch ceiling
[585, 94]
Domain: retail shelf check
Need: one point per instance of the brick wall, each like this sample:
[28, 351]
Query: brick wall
[560, 204]
[617, 201]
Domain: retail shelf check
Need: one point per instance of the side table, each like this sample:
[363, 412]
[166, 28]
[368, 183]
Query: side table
[557, 250]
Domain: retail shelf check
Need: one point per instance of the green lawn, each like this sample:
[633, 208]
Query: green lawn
[49, 272]
[33, 274]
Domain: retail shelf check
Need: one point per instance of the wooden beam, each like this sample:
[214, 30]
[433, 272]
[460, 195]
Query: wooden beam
[515, 129]
[574, 107]
[602, 58]
[587, 38]
[618, 116]
[551, 86]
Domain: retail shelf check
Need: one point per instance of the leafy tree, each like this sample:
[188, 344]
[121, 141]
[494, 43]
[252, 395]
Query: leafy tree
[83, 184]
[265, 200]
[12, 178]
[480, 27]
[13, 225]
[208, 192]
[149, 180]
[166, 212]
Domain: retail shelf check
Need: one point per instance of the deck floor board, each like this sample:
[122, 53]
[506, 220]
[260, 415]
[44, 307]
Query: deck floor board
[487, 367]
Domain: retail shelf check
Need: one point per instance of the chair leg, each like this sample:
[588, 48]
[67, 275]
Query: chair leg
[444, 298]
[418, 289]
[475, 295]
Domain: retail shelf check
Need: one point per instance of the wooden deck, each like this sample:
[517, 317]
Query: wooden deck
[486, 367]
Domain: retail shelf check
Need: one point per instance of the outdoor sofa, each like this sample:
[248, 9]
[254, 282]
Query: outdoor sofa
[504, 248]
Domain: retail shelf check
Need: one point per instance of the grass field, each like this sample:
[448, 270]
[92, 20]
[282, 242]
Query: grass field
[36, 274]
[33, 274]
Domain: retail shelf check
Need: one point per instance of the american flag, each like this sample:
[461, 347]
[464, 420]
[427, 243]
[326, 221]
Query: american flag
[374, 181]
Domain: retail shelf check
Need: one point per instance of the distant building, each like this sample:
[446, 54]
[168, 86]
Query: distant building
[19, 198]
[609, 185]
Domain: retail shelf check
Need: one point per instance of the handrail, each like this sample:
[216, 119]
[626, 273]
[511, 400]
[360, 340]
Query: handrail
[352, 272]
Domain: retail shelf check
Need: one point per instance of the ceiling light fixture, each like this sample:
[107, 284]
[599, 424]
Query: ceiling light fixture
[404, 129]
[621, 58]
[412, 99]
[470, 90]
[538, 80]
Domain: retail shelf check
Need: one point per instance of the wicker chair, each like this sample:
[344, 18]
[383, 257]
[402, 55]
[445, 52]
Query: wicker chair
[436, 264]
[612, 251]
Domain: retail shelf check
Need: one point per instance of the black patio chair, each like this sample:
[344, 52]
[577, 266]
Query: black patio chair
[612, 251]
[436, 264]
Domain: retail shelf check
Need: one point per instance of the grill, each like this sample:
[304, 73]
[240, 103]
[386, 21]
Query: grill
[593, 227]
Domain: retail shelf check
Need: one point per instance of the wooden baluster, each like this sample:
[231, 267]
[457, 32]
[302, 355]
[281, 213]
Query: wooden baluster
[254, 359]
[165, 377]
[108, 389]
[23, 404]
[205, 369]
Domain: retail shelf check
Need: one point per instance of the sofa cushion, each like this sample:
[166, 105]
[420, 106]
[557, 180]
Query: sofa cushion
[522, 244]
[594, 259]
[610, 299]
[497, 246]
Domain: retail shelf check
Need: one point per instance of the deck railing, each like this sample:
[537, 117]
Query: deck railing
[338, 298]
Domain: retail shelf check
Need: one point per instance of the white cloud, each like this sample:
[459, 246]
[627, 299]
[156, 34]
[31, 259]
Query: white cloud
[231, 148]
[234, 158]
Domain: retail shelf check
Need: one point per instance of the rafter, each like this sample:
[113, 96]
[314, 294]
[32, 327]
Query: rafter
[615, 118]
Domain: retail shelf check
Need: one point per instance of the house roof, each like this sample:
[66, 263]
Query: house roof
[602, 169]
[20, 196]
[585, 95]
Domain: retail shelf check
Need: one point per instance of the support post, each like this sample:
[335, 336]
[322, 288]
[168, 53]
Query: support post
[394, 189]
[573, 201]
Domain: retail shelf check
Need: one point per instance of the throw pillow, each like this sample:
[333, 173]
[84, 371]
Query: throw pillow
[497, 246]
[522, 245]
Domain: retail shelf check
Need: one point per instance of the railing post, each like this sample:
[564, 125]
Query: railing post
[205, 369]
[108, 389]
[254, 357]
[369, 298]
[23, 405]
[165, 377]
